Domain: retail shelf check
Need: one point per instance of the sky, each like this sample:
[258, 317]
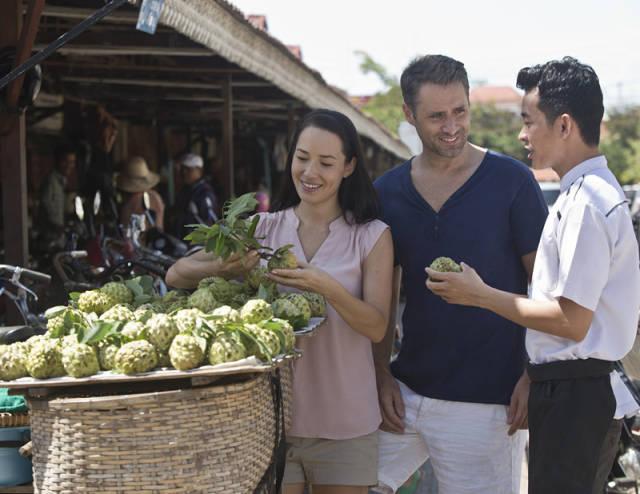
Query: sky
[493, 38]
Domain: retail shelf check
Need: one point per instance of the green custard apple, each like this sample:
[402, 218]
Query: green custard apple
[256, 310]
[80, 360]
[119, 292]
[119, 312]
[226, 348]
[13, 360]
[203, 299]
[445, 264]
[161, 329]
[135, 357]
[317, 304]
[187, 351]
[45, 359]
[94, 301]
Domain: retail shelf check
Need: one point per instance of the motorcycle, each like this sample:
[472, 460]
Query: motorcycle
[22, 297]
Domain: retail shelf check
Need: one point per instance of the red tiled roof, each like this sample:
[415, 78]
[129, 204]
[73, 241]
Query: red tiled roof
[545, 175]
[494, 94]
[259, 22]
[296, 50]
[359, 101]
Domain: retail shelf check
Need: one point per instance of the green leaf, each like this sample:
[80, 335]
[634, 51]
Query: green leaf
[263, 293]
[146, 282]
[74, 296]
[54, 311]
[135, 287]
[220, 246]
[246, 203]
[79, 332]
[142, 299]
[262, 347]
[210, 245]
[100, 330]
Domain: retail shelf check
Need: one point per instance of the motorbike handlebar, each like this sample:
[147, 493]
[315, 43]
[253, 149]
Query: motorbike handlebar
[34, 275]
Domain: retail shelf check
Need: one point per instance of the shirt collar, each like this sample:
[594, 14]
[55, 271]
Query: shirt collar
[583, 168]
[293, 217]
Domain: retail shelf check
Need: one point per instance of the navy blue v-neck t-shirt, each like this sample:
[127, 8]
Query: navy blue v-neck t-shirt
[451, 352]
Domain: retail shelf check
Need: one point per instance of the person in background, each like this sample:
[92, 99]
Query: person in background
[99, 171]
[134, 181]
[263, 198]
[196, 203]
[53, 193]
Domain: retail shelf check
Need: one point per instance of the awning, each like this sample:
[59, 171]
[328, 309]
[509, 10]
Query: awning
[222, 28]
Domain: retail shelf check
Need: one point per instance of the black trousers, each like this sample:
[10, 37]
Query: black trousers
[607, 456]
[571, 408]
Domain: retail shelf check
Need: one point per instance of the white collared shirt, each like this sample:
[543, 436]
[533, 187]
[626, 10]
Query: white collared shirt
[588, 253]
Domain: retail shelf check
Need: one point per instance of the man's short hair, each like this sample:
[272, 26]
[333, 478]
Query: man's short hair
[433, 69]
[567, 86]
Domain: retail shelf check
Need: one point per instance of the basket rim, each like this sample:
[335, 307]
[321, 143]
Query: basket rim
[125, 400]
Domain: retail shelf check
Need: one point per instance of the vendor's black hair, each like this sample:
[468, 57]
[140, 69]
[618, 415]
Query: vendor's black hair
[567, 86]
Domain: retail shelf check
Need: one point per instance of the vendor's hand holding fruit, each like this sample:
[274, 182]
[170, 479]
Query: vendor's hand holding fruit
[188, 271]
[305, 277]
[459, 285]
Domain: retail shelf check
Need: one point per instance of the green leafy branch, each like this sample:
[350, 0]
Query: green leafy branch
[233, 232]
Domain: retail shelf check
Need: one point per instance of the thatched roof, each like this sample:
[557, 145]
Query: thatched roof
[221, 27]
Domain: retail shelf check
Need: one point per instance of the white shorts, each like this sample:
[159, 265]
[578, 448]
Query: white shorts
[468, 444]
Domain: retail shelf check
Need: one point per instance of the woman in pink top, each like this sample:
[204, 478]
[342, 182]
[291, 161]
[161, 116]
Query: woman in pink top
[327, 209]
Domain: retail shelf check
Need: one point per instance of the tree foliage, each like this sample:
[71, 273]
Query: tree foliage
[497, 130]
[621, 144]
[385, 106]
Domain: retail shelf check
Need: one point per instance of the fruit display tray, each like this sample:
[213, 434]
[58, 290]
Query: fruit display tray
[202, 375]
[199, 376]
[310, 329]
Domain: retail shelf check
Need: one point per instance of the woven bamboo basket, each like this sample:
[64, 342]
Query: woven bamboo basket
[216, 439]
[14, 419]
[286, 373]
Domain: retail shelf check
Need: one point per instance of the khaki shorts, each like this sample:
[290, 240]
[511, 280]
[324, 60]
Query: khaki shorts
[352, 462]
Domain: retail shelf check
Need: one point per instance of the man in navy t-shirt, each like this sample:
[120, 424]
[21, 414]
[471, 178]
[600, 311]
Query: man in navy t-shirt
[455, 391]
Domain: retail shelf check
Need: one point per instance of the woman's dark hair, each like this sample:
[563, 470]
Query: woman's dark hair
[567, 86]
[356, 194]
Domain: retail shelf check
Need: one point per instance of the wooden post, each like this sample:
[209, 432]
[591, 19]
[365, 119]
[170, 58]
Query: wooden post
[12, 155]
[24, 48]
[227, 138]
[291, 123]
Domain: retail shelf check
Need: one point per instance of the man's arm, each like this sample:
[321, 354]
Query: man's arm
[561, 317]
[391, 404]
[382, 350]
[518, 404]
[582, 240]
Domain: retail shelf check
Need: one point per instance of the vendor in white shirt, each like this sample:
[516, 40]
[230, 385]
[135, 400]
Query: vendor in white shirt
[585, 293]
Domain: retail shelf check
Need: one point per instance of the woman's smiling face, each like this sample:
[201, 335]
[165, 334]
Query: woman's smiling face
[319, 165]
